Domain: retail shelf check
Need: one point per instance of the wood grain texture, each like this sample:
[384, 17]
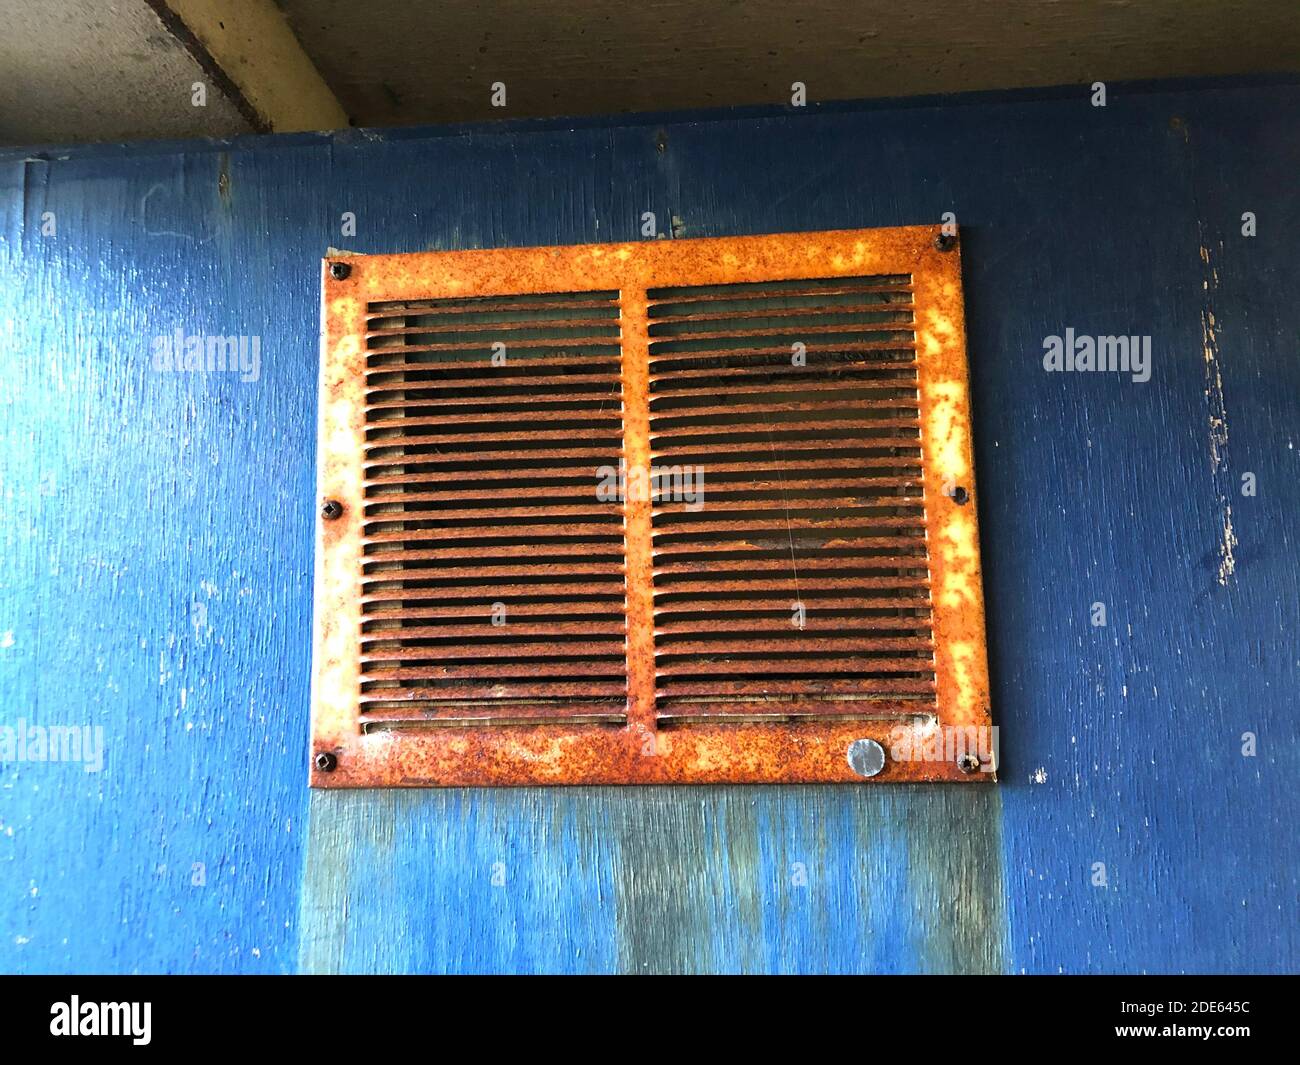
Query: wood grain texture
[658, 880]
[130, 494]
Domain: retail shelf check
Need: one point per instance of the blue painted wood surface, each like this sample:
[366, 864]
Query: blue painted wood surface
[157, 557]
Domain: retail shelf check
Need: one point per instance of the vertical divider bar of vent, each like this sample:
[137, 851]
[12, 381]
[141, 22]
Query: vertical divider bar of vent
[638, 546]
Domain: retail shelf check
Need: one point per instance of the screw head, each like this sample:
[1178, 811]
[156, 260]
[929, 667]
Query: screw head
[960, 496]
[339, 271]
[945, 241]
[968, 763]
[866, 757]
[331, 509]
[325, 762]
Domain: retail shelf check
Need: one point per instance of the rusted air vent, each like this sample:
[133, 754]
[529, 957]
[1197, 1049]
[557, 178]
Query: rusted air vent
[677, 511]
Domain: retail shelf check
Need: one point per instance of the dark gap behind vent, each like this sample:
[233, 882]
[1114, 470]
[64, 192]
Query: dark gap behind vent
[817, 499]
[480, 493]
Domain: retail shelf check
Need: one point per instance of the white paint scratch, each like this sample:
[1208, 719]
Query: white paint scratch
[1217, 414]
[1227, 563]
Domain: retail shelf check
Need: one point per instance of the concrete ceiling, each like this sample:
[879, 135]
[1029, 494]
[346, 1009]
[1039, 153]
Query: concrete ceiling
[394, 63]
[73, 70]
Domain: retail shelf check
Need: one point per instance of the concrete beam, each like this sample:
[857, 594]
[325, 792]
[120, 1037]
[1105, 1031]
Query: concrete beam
[248, 49]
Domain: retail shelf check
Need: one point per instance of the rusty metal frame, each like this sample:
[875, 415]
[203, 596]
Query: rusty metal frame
[640, 753]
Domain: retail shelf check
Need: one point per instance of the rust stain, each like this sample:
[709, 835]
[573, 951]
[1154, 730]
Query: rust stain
[223, 179]
[460, 482]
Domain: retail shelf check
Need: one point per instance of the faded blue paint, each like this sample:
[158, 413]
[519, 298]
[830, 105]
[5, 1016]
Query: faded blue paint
[130, 495]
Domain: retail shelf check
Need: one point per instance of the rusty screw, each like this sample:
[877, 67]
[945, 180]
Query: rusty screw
[946, 241]
[339, 271]
[331, 509]
[968, 763]
[325, 762]
[960, 496]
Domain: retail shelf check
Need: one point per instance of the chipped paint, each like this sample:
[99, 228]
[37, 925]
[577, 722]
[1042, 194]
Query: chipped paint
[1217, 417]
[1227, 560]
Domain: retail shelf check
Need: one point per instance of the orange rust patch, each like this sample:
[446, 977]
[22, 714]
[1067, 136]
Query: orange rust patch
[671, 725]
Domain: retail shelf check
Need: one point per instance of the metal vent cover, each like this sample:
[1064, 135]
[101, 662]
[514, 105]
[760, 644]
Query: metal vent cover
[682, 511]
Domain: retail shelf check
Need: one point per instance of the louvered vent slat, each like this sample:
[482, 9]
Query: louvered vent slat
[478, 491]
[792, 587]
